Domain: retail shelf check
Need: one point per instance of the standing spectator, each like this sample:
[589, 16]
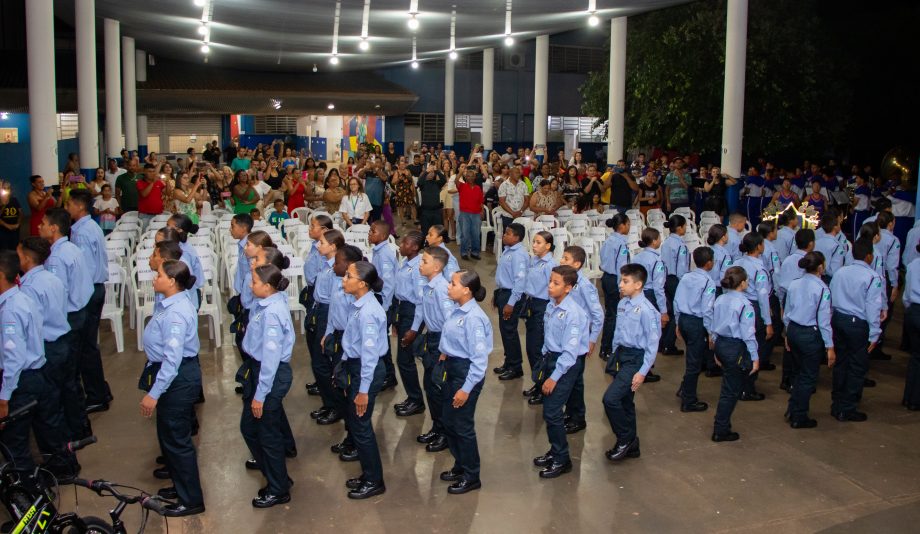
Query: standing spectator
[105, 208]
[242, 160]
[212, 153]
[592, 185]
[40, 200]
[244, 197]
[405, 189]
[513, 196]
[150, 194]
[619, 186]
[294, 186]
[390, 155]
[126, 186]
[373, 176]
[676, 185]
[356, 207]
[649, 193]
[332, 197]
[430, 185]
[469, 188]
[112, 172]
[10, 218]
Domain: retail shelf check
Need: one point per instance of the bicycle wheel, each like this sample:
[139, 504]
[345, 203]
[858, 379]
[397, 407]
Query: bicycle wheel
[94, 525]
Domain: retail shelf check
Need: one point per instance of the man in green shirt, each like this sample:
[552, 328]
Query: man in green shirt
[126, 186]
[241, 161]
[676, 185]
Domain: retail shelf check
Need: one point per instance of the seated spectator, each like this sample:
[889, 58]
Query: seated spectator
[255, 214]
[355, 207]
[106, 210]
[332, 197]
[649, 193]
[244, 197]
[545, 201]
[278, 216]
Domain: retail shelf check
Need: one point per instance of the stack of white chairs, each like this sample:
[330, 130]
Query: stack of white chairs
[561, 239]
[636, 220]
[211, 305]
[487, 225]
[114, 304]
[564, 215]
[497, 214]
[302, 214]
[578, 227]
[686, 212]
[548, 221]
[143, 297]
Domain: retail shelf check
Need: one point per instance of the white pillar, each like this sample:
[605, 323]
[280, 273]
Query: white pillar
[733, 102]
[488, 91]
[140, 65]
[42, 97]
[142, 135]
[128, 86]
[87, 105]
[112, 88]
[541, 84]
[617, 97]
[448, 103]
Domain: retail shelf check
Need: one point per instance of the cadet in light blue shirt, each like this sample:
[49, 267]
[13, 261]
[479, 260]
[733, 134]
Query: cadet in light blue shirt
[857, 298]
[266, 379]
[363, 373]
[735, 226]
[651, 260]
[314, 261]
[635, 345]
[829, 246]
[466, 342]
[87, 235]
[510, 278]
[734, 340]
[911, 300]
[758, 293]
[674, 252]
[790, 270]
[318, 314]
[614, 254]
[189, 256]
[384, 260]
[785, 236]
[693, 304]
[562, 363]
[535, 287]
[808, 323]
[407, 295]
[722, 260]
[435, 238]
[910, 244]
[68, 264]
[676, 259]
[172, 378]
[770, 257]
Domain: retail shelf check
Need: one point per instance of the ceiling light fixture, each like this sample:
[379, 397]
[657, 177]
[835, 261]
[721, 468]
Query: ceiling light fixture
[509, 40]
[413, 12]
[414, 57]
[205, 49]
[275, 103]
[314, 68]
[453, 31]
[334, 60]
[364, 45]
[593, 20]
[203, 29]
[198, 3]
[330, 106]
[335, 34]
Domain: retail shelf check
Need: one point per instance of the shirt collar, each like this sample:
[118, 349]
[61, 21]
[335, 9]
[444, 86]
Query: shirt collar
[414, 261]
[369, 296]
[329, 261]
[466, 308]
[81, 221]
[32, 273]
[278, 296]
[8, 294]
[566, 303]
[513, 248]
[654, 251]
[169, 301]
[380, 245]
[57, 243]
[638, 299]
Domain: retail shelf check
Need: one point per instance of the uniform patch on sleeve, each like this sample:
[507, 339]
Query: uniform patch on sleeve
[878, 283]
[683, 252]
[9, 328]
[175, 329]
[370, 329]
[271, 331]
[480, 347]
[749, 315]
[761, 277]
[447, 303]
[9, 345]
[271, 345]
[711, 290]
[480, 332]
[827, 296]
[623, 252]
[173, 342]
[659, 267]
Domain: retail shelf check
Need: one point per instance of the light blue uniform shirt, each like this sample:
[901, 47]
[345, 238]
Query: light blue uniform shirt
[859, 291]
[69, 265]
[770, 259]
[566, 329]
[721, 261]
[789, 271]
[365, 337]
[436, 306]
[269, 338]
[21, 345]
[910, 244]
[834, 254]
[614, 253]
[733, 244]
[585, 295]
[654, 267]
[811, 306]
[48, 291]
[313, 264]
[338, 308]
[452, 265]
[638, 327]
[675, 256]
[190, 258]
[384, 260]
[695, 295]
[878, 265]
[759, 287]
[891, 248]
[171, 334]
[409, 282]
[733, 316]
[87, 235]
[537, 283]
[325, 282]
[511, 272]
[467, 335]
[785, 242]
[912, 284]
[242, 282]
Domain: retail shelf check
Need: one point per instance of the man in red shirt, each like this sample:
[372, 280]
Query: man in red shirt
[469, 187]
[150, 194]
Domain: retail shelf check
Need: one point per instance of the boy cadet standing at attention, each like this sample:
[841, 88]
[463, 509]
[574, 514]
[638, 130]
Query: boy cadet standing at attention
[635, 344]
[384, 260]
[693, 305]
[510, 276]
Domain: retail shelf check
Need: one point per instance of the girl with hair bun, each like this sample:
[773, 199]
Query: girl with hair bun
[722, 260]
[266, 378]
[536, 298]
[466, 341]
[757, 292]
[676, 258]
[184, 226]
[614, 255]
[362, 373]
[436, 237]
[653, 289]
[172, 382]
[317, 315]
[808, 334]
[735, 344]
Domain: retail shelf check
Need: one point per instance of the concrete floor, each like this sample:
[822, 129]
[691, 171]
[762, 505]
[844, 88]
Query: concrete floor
[839, 477]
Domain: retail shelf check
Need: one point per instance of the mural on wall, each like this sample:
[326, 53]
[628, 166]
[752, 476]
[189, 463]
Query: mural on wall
[361, 129]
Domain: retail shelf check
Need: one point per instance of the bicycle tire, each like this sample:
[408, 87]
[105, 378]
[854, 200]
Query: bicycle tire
[94, 525]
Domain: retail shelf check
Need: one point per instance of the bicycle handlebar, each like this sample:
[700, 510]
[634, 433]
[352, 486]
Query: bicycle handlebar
[12, 416]
[74, 446]
[149, 502]
[154, 504]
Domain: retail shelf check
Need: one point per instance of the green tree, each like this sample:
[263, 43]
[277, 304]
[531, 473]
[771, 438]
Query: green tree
[674, 79]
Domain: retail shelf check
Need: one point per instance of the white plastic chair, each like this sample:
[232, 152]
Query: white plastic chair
[487, 225]
[210, 301]
[114, 304]
[561, 239]
[655, 216]
[295, 275]
[302, 214]
[142, 290]
[549, 221]
[578, 227]
[687, 213]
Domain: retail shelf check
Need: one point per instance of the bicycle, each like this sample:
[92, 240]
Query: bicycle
[30, 498]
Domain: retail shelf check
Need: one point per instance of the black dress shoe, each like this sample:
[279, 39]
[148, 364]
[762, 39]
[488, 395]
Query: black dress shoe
[868, 383]
[161, 473]
[320, 412]
[290, 453]
[252, 464]
[463, 486]
[437, 445]
[264, 490]
[768, 367]
[729, 436]
[181, 510]
[530, 392]
[312, 390]
[575, 427]
[93, 408]
[161, 460]
[169, 493]
[354, 483]
[367, 490]
[400, 404]
[389, 383]
[625, 450]
[854, 416]
[339, 447]
[544, 460]
[465, 256]
[672, 352]
[238, 390]
[268, 500]
[427, 437]
[330, 418]
[511, 374]
[535, 399]
[555, 469]
[756, 396]
[453, 475]
[349, 455]
[697, 406]
[804, 423]
[476, 256]
[714, 372]
[912, 407]
[500, 369]
[410, 409]
[652, 377]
